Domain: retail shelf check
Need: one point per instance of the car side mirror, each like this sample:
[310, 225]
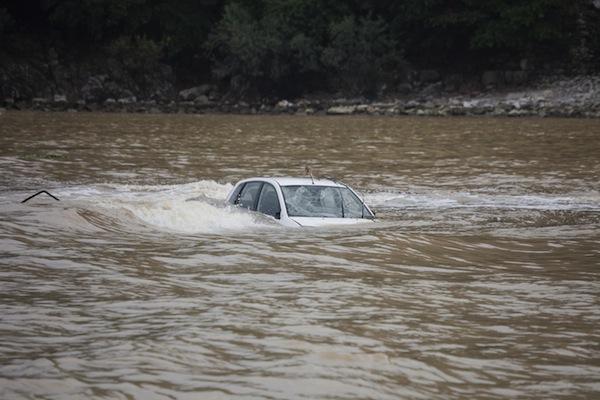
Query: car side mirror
[277, 215]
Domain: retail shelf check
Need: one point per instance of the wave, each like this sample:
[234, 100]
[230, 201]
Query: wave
[197, 207]
[434, 198]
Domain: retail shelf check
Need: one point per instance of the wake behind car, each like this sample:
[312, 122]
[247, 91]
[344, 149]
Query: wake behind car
[301, 201]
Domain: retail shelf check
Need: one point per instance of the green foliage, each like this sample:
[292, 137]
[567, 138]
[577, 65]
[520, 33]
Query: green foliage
[94, 20]
[6, 21]
[135, 54]
[436, 32]
[289, 47]
[522, 26]
[257, 51]
[361, 54]
[134, 62]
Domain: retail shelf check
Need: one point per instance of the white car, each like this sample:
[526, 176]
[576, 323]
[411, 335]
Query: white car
[301, 201]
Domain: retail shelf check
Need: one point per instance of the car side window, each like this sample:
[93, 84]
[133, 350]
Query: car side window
[235, 196]
[353, 207]
[249, 195]
[269, 202]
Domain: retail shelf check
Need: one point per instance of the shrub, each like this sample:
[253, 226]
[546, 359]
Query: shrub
[361, 55]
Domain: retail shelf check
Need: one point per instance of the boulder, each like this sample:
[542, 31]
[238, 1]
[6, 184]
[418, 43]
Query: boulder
[517, 113]
[194, 92]
[127, 100]
[202, 100]
[341, 110]
[39, 100]
[60, 98]
[362, 108]
[284, 104]
[411, 104]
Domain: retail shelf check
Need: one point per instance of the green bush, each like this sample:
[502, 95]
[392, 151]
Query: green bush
[361, 55]
[257, 54]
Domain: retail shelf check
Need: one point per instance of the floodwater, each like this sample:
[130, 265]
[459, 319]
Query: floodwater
[480, 280]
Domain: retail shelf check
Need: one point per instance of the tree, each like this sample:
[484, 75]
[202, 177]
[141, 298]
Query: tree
[264, 49]
[361, 55]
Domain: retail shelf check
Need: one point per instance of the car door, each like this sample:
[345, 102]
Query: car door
[268, 203]
[248, 197]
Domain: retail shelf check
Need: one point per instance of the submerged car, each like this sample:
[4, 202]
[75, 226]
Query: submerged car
[301, 201]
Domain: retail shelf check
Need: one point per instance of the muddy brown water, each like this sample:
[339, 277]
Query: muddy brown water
[480, 280]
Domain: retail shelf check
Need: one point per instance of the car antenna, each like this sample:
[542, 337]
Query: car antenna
[307, 171]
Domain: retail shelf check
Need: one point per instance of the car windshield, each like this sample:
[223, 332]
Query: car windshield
[323, 201]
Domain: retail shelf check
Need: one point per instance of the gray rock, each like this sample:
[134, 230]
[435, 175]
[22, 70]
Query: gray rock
[456, 110]
[348, 102]
[341, 110]
[127, 100]
[499, 111]
[362, 108]
[202, 100]
[40, 100]
[194, 92]
[284, 104]
[411, 104]
[517, 113]
[60, 98]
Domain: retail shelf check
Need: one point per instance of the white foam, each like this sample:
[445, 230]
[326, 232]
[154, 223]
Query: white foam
[193, 216]
[206, 188]
[197, 207]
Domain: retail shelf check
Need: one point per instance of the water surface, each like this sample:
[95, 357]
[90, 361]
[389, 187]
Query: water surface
[480, 280]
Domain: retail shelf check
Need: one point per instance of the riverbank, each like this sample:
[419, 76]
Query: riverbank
[548, 97]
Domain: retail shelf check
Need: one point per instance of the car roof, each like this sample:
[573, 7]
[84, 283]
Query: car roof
[293, 181]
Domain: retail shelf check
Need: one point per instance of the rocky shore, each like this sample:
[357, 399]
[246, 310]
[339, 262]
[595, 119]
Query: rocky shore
[549, 97]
